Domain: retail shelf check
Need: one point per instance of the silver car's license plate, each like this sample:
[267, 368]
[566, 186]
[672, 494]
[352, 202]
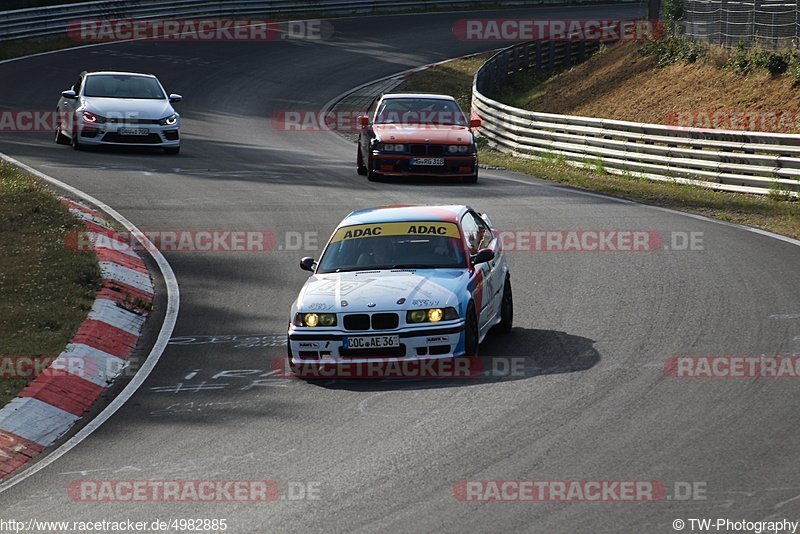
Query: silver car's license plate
[371, 342]
[133, 131]
[428, 161]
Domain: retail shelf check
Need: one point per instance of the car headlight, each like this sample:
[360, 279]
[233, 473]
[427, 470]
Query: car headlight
[314, 319]
[169, 121]
[92, 118]
[431, 315]
[389, 147]
[458, 149]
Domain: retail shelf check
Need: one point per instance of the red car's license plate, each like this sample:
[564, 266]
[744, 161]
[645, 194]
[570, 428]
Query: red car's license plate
[428, 161]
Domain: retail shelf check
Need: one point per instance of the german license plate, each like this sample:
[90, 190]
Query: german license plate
[428, 161]
[371, 342]
[133, 131]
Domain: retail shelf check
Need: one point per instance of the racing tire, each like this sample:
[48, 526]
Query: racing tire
[471, 179]
[76, 144]
[172, 150]
[372, 176]
[506, 309]
[61, 139]
[471, 334]
[361, 169]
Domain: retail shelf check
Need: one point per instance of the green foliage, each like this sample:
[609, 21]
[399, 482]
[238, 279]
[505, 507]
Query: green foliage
[746, 62]
[794, 70]
[673, 49]
[673, 12]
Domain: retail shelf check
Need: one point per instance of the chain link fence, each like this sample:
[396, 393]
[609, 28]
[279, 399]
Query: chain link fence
[726, 22]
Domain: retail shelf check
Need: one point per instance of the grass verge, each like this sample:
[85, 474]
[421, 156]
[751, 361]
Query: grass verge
[769, 213]
[46, 289]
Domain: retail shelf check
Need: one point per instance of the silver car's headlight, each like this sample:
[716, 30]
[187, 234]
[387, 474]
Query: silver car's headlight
[169, 121]
[92, 118]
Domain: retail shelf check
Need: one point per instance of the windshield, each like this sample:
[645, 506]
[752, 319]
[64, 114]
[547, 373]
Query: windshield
[123, 86]
[411, 245]
[420, 111]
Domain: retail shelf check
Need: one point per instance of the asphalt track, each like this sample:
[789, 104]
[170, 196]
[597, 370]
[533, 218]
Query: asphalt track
[594, 329]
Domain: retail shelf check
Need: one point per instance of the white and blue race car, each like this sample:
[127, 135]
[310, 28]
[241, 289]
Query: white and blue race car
[402, 283]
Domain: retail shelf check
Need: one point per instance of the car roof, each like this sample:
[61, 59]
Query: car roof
[114, 72]
[417, 95]
[381, 214]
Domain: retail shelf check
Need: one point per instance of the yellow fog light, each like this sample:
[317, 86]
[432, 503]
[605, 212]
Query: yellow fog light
[311, 319]
[435, 315]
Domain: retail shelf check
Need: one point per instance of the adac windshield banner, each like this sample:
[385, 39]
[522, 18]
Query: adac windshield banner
[411, 228]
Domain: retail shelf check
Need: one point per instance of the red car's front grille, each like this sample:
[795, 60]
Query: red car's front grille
[426, 150]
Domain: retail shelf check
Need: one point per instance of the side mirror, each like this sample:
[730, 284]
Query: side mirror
[175, 98]
[475, 123]
[363, 121]
[483, 256]
[308, 264]
[72, 95]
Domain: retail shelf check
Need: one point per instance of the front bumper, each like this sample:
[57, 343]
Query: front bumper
[108, 134]
[401, 165]
[310, 346]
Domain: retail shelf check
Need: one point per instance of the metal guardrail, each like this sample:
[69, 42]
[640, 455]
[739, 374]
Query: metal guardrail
[744, 162]
[53, 20]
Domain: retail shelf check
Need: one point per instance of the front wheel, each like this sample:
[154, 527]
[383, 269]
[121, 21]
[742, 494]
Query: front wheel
[471, 335]
[361, 169]
[372, 176]
[506, 309]
[172, 150]
[75, 142]
[471, 179]
[61, 139]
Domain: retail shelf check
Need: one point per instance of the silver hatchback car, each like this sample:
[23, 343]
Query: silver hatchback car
[121, 109]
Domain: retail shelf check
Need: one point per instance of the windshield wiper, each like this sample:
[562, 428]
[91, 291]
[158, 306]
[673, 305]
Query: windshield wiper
[412, 266]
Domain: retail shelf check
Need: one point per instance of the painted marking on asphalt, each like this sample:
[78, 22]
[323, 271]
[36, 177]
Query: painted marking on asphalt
[191, 375]
[238, 379]
[246, 341]
[785, 316]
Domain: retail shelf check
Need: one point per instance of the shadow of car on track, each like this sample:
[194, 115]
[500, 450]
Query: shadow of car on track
[422, 180]
[522, 354]
[122, 149]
